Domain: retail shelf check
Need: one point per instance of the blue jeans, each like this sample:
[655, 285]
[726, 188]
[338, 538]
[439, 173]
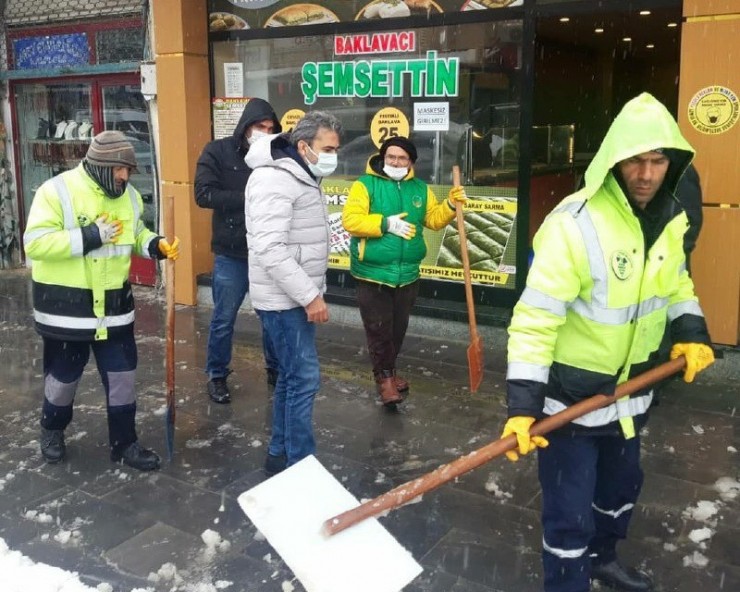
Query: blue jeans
[293, 340]
[230, 283]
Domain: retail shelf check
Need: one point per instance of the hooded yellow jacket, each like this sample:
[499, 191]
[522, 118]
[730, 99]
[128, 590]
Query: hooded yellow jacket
[597, 302]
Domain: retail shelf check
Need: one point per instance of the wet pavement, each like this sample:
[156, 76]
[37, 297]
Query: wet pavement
[481, 533]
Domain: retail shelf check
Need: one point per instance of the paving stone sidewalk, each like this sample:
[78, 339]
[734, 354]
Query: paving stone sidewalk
[479, 534]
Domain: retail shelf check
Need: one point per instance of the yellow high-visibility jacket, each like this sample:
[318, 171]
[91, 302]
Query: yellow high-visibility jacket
[596, 303]
[78, 295]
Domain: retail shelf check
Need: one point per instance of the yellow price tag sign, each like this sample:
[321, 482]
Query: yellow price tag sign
[291, 117]
[388, 123]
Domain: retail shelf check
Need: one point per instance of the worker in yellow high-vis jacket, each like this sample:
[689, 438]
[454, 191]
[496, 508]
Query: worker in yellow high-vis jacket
[609, 273]
[83, 227]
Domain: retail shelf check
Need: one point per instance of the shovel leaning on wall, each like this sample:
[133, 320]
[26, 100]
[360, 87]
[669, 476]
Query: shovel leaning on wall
[305, 513]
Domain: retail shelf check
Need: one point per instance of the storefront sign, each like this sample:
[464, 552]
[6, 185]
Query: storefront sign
[242, 15]
[51, 51]
[401, 41]
[431, 117]
[714, 110]
[424, 77]
[387, 123]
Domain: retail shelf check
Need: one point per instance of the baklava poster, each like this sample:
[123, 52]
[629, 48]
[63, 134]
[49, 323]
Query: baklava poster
[240, 15]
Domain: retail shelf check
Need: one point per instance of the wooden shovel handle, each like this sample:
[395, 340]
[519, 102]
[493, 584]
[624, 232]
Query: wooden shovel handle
[169, 232]
[465, 258]
[413, 489]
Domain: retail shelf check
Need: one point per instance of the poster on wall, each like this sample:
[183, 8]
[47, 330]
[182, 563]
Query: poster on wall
[240, 15]
[490, 225]
[226, 112]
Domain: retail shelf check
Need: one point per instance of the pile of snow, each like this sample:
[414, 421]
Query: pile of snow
[728, 488]
[703, 511]
[18, 573]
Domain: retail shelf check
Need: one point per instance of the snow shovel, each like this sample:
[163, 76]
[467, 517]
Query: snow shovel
[169, 418]
[414, 489]
[304, 511]
[475, 349]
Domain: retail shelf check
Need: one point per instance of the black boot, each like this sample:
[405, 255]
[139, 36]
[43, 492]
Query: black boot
[218, 390]
[53, 448]
[619, 577]
[136, 457]
[275, 464]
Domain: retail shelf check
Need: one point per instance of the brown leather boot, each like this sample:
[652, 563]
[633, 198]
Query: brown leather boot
[402, 385]
[387, 390]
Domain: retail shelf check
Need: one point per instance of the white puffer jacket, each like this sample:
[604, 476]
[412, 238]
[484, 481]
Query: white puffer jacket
[287, 229]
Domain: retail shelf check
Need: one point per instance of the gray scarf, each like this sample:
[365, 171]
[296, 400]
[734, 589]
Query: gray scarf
[103, 176]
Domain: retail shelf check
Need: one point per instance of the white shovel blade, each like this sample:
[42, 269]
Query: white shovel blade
[290, 510]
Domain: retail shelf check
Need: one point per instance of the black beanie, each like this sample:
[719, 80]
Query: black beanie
[403, 143]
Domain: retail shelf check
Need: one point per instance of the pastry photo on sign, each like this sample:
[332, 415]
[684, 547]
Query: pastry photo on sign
[382, 9]
[225, 21]
[301, 14]
[484, 4]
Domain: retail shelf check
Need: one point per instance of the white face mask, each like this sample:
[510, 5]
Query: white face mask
[395, 173]
[256, 135]
[326, 164]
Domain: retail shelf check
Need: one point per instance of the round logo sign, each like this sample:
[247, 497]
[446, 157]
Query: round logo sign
[714, 110]
[622, 265]
[387, 123]
[291, 117]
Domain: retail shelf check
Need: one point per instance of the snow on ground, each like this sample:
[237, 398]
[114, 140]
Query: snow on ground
[19, 573]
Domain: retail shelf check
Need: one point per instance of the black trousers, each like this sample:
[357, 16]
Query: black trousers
[590, 485]
[385, 313]
[116, 358]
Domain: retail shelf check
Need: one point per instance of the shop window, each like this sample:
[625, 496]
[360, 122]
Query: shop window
[119, 45]
[453, 89]
[55, 125]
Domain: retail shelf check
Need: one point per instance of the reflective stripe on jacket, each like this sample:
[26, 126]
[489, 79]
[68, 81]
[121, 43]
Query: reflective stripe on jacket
[82, 296]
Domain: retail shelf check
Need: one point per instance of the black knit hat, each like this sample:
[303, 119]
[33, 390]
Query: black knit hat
[111, 149]
[403, 143]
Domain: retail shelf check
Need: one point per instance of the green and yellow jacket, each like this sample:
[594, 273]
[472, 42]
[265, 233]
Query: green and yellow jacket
[375, 254]
[605, 280]
[82, 293]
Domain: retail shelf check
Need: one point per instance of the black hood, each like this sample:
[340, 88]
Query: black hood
[256, 110]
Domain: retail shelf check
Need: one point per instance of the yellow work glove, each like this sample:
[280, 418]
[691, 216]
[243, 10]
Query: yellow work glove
[457, 197]
[109, 230]
[171, 251]
[698, 358]
[520, 425]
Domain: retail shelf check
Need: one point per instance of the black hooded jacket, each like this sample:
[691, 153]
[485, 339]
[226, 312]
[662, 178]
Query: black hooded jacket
[220, 178]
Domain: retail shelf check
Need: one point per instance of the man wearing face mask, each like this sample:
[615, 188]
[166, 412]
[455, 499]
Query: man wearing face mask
[220, 178]
[83, 227]
[288, 234]
[385, 212]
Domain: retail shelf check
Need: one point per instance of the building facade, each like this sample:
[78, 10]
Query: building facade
[518, 93]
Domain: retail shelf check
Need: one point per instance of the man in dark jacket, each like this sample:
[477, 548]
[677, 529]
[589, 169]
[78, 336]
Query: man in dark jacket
[220, 178]
[689, 195]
